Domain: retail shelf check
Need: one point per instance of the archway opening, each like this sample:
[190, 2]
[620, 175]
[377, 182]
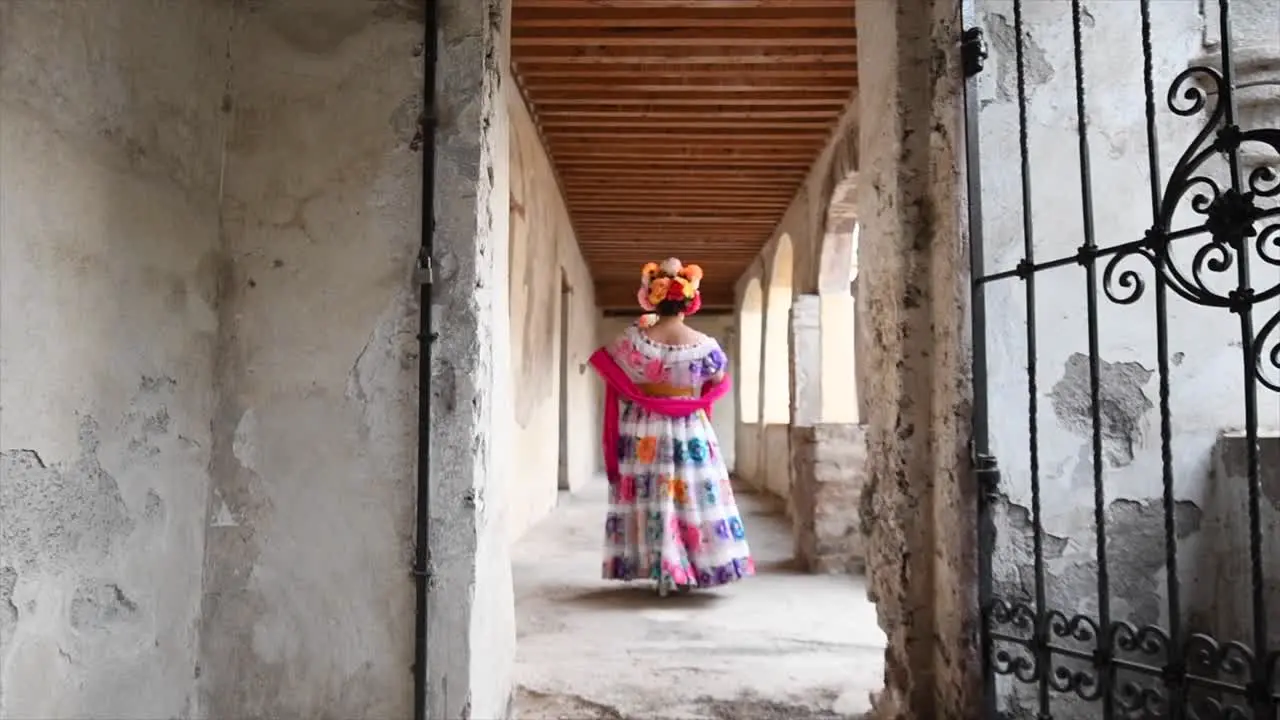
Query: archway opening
[776, 390]
[842, 383]
[750, 339]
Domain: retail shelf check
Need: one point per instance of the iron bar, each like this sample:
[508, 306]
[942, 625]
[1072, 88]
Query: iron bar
[1126, 248]
[1103, 653]
[1174, 670]
[1041, 644]
[1259, 695]
[426, 335]
[984, 467]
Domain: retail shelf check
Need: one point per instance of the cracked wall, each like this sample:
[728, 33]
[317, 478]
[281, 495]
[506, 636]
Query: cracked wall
[1206, 391]
[110, 151]
[307, 603]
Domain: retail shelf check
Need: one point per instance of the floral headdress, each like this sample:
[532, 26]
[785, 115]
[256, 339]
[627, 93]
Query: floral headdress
[668, 281]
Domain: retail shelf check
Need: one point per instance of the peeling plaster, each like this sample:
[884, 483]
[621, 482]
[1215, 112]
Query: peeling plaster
[1121, 406]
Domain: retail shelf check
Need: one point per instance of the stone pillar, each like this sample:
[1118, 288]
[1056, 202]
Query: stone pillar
[827, 458]
[829, 471]
[806, 360]
[472, 626]
[919, 508]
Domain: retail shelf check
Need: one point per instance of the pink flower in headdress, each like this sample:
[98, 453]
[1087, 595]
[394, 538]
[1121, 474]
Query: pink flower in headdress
[694, 305]
[642, 296]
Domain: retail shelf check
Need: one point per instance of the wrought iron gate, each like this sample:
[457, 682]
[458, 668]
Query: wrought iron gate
[1097, 619]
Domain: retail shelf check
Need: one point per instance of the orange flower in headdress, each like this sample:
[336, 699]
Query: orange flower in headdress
[658, 288]
[647, 272]
[693, 274]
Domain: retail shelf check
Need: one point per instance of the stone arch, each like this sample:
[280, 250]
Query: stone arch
[842, 382]
[776, 386]
[839, 254]
[750, 349]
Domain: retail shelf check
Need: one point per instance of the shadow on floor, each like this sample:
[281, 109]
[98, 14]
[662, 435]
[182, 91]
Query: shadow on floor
[641, 595]
[783, 645]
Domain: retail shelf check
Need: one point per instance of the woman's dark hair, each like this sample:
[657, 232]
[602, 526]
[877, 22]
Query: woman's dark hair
[671, 308]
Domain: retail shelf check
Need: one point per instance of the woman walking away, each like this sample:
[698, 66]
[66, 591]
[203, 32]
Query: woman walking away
[672, 517]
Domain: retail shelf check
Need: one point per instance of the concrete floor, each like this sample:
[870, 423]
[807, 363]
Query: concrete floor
[781, 645]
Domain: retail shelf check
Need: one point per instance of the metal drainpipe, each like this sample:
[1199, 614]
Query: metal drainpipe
[426, 141]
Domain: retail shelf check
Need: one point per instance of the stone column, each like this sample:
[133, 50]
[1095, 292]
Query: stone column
[806, 360]
[913, 272]
[827, 458]
[471, 634]
[829, 462]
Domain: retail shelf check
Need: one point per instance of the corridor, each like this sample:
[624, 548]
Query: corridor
[781, 645]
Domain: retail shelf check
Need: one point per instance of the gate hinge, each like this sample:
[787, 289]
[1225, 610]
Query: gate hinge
[987, 472]
[973, 51]
[423, 274]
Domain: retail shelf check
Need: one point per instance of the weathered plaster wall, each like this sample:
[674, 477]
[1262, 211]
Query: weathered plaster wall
[918, 502]
[308, 604]
[110, 150]
[1206, 385]
[542, 244]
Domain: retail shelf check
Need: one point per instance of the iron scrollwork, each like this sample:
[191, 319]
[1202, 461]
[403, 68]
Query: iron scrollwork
[1235, 225]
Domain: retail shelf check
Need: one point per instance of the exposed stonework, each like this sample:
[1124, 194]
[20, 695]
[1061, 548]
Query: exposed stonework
[913, 287]
[471, 633]
[829, 466]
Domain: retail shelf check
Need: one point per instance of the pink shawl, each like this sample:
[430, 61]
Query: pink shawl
[618, 386]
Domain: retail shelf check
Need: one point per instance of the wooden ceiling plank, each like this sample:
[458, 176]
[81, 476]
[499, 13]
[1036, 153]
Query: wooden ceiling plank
[683, 4]
[702, 86]
[709, 34]
[533, 68]
[586, 15]
[604, 113]
[691, 124]
[694, 54]
[760, 100]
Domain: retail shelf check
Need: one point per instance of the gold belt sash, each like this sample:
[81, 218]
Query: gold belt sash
[666, 390]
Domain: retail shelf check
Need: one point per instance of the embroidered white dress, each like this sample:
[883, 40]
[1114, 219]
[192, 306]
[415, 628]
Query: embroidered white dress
[672, 515]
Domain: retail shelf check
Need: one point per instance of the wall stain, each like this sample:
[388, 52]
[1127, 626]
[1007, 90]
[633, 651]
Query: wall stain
[1037, 68]
[1121, 406]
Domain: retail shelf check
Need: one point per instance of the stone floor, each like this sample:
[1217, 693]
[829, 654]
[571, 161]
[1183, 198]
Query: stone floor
[780, 646]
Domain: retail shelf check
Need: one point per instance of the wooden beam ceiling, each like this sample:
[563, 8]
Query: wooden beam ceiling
[682, 127]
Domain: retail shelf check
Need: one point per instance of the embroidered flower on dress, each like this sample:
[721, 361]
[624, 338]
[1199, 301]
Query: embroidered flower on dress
[697, 450]
[680, 491]
[647, 449]
[710, 492]
[715, 361]
[627, 488]
[722, 529]
[654, 370]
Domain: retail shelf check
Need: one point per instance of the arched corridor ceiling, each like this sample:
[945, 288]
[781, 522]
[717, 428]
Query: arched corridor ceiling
[682, 127]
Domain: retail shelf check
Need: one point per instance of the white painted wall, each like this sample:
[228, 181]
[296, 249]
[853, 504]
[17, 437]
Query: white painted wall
[542, 244]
